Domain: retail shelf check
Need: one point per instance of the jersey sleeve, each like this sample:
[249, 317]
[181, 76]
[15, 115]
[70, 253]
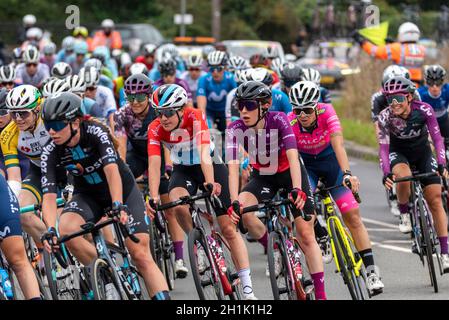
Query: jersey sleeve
[201, 91]
[231, 141]
[286, 131]
[229, 101]
[110, 104]
[48, 168]
[102, 142]
[200, 128]
[434, 130]
[154, 139]
[9, 139]
[184, 84]
[384, 142]
[332, 121]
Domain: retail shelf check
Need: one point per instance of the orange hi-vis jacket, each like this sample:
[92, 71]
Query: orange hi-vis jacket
[114, 41]
[408, 55]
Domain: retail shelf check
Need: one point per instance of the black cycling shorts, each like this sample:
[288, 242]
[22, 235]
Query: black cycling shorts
[191, 177]
[265, 187]
[9, 212]
[92, 208]
[419, 160]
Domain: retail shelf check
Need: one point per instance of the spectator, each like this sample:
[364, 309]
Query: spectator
[107, 36]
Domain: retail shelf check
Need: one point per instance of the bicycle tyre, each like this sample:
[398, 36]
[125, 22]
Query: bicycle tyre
[209, 276]
[231, 271]
[341, 258]
[44, 294]
[306, 281]
[289, 288]
[169, 265]
[429, 247]
[101, 274]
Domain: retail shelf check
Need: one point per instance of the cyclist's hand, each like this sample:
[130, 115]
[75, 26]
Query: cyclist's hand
[151, 210]
[49, 240]
[300, 200]
[388, 180]
[121, 209]
[442, 171]
[123, 217]
[216, 189]
[351, 182]
[234, 216]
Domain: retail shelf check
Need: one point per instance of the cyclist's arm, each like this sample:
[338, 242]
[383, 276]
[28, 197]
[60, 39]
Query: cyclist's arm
[206, 163]
[114, 182]
[288, 137]
[295, 169]
[434, 130]
[154, 175]
[122, 142]
[9, 140]
[201, 98]
[49, 209]
[201, 103]
[232, 159]
[384, 143]
[48, 182]
[233, 168]
[338, 145]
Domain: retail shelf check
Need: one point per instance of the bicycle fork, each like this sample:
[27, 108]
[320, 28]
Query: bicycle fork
[217, 256]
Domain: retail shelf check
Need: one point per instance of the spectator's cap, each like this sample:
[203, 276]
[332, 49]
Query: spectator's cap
[107, 24]
[34, 33]
[29, 20]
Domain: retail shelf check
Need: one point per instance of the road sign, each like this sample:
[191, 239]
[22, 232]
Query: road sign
[188, 19]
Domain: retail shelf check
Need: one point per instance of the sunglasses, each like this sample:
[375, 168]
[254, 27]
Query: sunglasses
[306, 111]
[396, 98]
[3, 112]
[218, 69]
[139, 97]
[11, 83]
[194, 69]
[55, 125]
[31, 64]
[20, 114]
[437, 83]
[91, 88]
[167, 112]
[250, 105]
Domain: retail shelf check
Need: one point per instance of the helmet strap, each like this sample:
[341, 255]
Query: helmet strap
[179, 120]
[314, 124]
[144, 111]
[73, 133]
[260, 116]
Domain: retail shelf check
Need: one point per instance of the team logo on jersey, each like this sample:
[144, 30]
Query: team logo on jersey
[75, 169]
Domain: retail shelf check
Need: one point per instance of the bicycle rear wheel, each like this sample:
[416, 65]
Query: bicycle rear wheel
[306, 280]
[231, 271]
[206, 278]
[169, 263]
[282, 285]
[104, 283]
[429, 248]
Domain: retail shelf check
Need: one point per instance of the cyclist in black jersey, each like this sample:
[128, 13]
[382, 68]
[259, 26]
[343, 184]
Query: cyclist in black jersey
[101, 181]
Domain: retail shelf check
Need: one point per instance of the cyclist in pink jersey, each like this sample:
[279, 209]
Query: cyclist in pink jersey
[270, 143]
[320, 144]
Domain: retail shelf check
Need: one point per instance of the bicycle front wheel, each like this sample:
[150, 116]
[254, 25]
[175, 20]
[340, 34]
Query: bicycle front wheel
[104, 282]
[231, 271]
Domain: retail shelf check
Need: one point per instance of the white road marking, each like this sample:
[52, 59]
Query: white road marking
[380, 223]
[398, 241]
[390, 247]
[381, 229]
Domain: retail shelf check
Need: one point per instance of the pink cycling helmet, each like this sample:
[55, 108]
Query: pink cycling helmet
[398, 84]
[138, 83]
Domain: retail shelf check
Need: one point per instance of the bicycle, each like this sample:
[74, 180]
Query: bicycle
[294, 281]
[218, 278]
[104, 269]
[161, 245]
[423, 231]
[347, 259]
[11, 282]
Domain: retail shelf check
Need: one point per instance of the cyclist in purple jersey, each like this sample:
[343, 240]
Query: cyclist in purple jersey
[167, 68]
[270, 142]
[403, 132]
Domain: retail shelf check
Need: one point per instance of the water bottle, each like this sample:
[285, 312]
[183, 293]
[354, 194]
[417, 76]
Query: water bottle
[6, 284]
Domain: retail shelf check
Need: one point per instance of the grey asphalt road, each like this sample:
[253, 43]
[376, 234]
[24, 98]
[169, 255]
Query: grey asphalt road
[402, 272]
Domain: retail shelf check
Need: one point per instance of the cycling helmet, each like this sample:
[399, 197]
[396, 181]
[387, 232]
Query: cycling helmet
[23, 97]
[216, 58]
[125, 59]
[310, 74]
[253, 90]
[65, 106]
[3, 94]
[34, 33]
[54, 86]
[261, 75]
[90, 76]
[80, 31]
[276, 65]
[138, 83]
[170, 49]
[408, 32]
[7, 73]
[68, 43]
[290, 74]
[31, 55]
[167, 67]
[93, 62]
[271, 52]
[394, 71]
[49, 49]
[169, 96]
[80, 47]
[29, 20]
[76, 84]
[61, 70]
[137, 68]
[398, 84]
[149, 49]
[258, 60]
[304, 94]
[434, 73]
[206, 50]
[107, 23]
[194, 61]
[237, 63]
[17, 54]
[241, 76]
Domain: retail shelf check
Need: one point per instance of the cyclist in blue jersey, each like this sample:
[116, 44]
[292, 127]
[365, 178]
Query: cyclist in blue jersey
[213, 89]
[436, 93]
[310, 74]
[68, 44]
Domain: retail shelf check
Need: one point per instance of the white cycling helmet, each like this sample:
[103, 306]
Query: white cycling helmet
[29, 20]
[194, 61]
[271, 52]
[310, 74]
[94, 62]
[242, 75]
[76, 84]
[7, 74]
[169, 96]
[304, 94]
[216, 58]
[23, 97]
[54, 86]
[34, 33]
[261, 75]
[61, 70]
[238, 63]
[149, 49]
[137, 68]
[125, 59]
[394, 71]
[31, 55]
[107, 23]
[68, 43]
[90, 75]
[49, 49]
[408, 32]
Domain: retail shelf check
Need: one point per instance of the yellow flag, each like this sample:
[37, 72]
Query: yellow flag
[376, 34]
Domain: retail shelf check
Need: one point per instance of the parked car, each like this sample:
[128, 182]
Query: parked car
[247, 48]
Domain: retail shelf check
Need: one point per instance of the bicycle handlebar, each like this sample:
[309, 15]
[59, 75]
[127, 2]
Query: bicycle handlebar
[184, 200]
[321, 188]
[60, 202]
[416, 177]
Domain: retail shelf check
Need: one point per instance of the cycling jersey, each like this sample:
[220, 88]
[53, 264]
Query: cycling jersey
[182, 142]
[408, 134]
[280, 101]
[9, 212]
[22, 76]
[440, 103]
[317, 143]
[62, 56]
[265, 149]
[28, 143]
[105, 81]
[325, 95]
[231, 110]
[106, 103]
[85, 162]
[193, 84]
[24, 163]
[216, 92]
[179, 82]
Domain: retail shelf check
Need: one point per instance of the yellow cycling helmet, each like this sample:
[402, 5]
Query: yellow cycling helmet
[80, 31]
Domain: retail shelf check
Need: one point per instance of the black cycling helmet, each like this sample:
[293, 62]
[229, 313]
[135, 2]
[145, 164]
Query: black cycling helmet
[65, 106]
[434, 74]
[167, 67]
[253, 90]
[138, 83]
[3, 94]
[290, 74]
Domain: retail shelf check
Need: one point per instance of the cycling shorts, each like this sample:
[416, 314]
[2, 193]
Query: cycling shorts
[191, 178]
[9, 212]
[265, 187]
[329, 169]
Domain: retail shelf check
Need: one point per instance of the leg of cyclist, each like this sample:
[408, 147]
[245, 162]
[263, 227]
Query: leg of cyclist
[400, 168]
[31, 223]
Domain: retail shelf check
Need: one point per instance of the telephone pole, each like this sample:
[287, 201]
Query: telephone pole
[216, 19]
